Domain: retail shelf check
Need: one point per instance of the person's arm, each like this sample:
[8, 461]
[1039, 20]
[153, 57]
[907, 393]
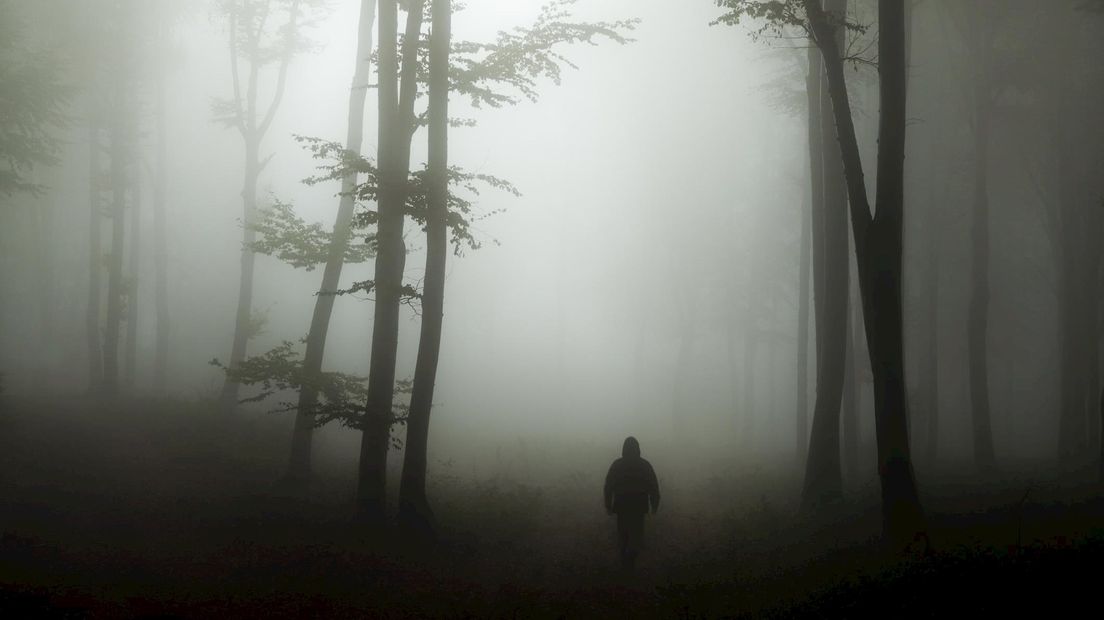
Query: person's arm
[653, 488]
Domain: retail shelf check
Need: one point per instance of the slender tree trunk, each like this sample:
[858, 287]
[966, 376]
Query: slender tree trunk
[118, 229]
[823, 475]
[160, 244]
[814, 86]
[931, 347]
[253, 124]
[95, 257]
[878, 247]
[242, 318]
[849, 406]
[979, 291]
[810, 244]
[414, 509]
[133, 263]
[803, 293]
[1073, 238]
[396, 107]
[299, 466]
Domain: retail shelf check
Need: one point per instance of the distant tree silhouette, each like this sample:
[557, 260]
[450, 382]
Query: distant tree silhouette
[261, 33]
[877, 234]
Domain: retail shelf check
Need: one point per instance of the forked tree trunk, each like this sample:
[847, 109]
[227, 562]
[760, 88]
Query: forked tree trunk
[396, 121]
[823, 475]
[414, 509]
[253, 124]
[299, 466]
[878, 248]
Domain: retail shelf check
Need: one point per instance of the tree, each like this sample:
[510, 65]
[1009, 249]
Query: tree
[414, 509]
[299, 465]
[122, 135]
[255, 38]
[978, 33]
[823, 474]
[488, 74]
[396, 127]
[877, 235]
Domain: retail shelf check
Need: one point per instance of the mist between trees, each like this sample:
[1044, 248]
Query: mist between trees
[854, 245]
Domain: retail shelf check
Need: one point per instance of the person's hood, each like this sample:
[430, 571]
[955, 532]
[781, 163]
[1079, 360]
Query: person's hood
[631, 449]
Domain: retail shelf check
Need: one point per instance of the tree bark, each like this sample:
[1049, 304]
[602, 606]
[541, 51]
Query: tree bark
[849, 445]
[803, 294]
[253, 128]
[878, 248]
[414, 509]
[823, 475]
[95, 256]
[299, 465]
[246, 263]
[396, 97]
[816, 96]
[978, 319]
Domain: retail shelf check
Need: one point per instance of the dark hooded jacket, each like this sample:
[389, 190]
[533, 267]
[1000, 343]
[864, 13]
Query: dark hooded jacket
[631, 485]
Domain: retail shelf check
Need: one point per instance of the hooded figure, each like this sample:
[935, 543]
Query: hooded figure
[631, 489]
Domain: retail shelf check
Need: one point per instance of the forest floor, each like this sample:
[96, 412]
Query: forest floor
[165, 509]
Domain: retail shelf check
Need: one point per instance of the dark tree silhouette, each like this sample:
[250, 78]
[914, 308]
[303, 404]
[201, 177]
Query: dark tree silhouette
[250, 24]
[299, 466]
[414, 509]
[823, 475]
[877, 233]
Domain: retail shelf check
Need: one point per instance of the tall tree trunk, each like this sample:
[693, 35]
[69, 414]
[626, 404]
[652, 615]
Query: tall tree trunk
[1073, 238]
[931, 347]
[814, 88]
[414, 509]
[133, 263]
[253, 127]
[95, 255]
[160, 244]
[299, 465]
[810, 242]
[823, 476]
[978, 322]
[803, 293]
[878, 247]
[118, 228]
[396, 96]
[849, 445]
[247, 261]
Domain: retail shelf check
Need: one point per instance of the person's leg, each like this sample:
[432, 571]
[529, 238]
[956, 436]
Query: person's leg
[623, 538]
[637, 535]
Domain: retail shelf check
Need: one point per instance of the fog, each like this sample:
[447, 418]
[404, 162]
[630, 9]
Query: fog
[646, 281]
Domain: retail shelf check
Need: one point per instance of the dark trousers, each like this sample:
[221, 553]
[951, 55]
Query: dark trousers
[630, 536]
